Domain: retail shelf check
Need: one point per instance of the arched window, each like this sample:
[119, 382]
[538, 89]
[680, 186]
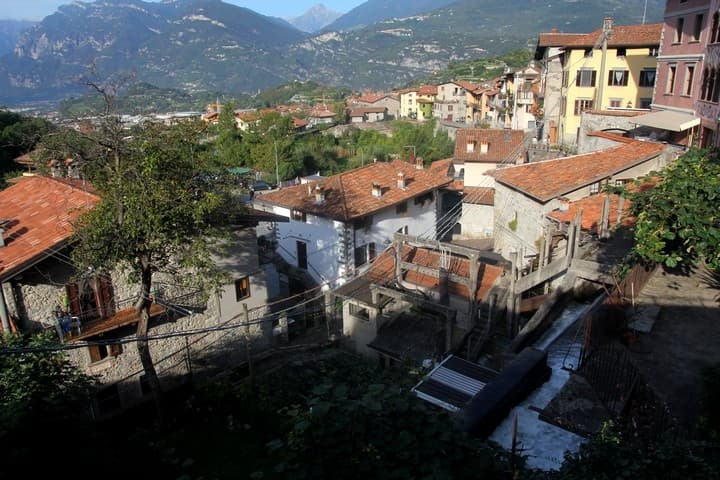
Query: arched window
[715, 85]
[715, 31]
[704, 94]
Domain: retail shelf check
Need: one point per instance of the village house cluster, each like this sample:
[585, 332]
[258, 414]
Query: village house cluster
[457, 239]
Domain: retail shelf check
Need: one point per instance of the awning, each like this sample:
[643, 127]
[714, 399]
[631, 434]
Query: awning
[668, 120]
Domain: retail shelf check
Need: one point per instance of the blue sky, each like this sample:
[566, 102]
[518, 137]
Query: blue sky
[38, 9]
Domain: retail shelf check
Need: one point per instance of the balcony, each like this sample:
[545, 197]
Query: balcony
[96, 321]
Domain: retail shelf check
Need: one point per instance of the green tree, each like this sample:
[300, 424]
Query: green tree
[38, 384]
[678, 221]
[379, 431]
[157, 211]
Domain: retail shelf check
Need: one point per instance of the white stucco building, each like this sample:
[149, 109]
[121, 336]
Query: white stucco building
[342, 222]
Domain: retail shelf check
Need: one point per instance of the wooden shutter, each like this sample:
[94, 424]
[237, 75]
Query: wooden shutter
[592, 82]
[106, 297]
[73, 294]
[115, 349]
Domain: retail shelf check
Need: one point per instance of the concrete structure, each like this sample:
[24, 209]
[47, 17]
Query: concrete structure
[388, 101]
[367, 114]
[610, 68]
[342, 222]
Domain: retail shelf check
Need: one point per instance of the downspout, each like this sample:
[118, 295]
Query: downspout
[3, 311]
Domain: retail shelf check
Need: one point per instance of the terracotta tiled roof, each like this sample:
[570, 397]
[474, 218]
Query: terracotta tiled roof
[502, 144]
[552, 178]
[383, 270]
[427, 90]
[361, 111]
[466, 85]
[479, 195]
[371, 97]
[592, 209]
[40, 211]
[557, 39]
[349, 195]
[620, 36]
[299, 122]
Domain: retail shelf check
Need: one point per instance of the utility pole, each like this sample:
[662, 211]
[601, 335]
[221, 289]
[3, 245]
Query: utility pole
[607, 26]
[277, 168]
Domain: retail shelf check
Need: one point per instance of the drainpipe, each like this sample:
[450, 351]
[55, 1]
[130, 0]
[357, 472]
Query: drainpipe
[3, 311]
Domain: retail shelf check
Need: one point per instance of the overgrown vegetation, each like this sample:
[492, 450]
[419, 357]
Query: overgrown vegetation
[19, 134]
[678, 221]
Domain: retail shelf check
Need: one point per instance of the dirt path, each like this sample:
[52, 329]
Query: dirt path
[685, 338]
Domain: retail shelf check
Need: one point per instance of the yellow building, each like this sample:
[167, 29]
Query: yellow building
[611, 68]
[416, 103]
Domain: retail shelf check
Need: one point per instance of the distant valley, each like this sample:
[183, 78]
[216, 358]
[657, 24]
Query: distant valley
[208, 45]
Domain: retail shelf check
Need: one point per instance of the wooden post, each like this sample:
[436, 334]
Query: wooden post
[604, 227]
[510, 315]
[248, 353]
[621, 205]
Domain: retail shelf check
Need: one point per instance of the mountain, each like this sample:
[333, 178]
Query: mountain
[10, 30]
[202, 45]
[374, 11]
[314, 19]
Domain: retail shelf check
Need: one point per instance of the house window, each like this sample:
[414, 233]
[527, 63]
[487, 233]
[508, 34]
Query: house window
[588, 53]
[689, 74]
[645, 102]
[621, 52]
[585, 78]
[360, 254]
[715, 31]
[298, 216]
[358, 311]
[647, 78]
[242, 288]
[670, 86]
[615, 103]
[102, 351]
[582, 104]
[450, 108]
[595, 188]
[90, 298]
[679, 30]
[622, 181]
[565, 78]
[401, 208]
[618, 78]
[698, 27]
[471, 144]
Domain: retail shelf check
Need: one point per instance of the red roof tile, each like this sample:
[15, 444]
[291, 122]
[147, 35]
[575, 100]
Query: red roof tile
[503, 145]
[620, 36]
[383, 270]
[40, 211]
[361, 111]
[479, 195]
[552, 178]
[349, 195]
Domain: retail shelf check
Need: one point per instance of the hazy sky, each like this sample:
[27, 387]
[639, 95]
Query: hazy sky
[39, 9]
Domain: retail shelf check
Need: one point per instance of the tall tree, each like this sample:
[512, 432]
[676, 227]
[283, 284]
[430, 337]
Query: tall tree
[157, 211]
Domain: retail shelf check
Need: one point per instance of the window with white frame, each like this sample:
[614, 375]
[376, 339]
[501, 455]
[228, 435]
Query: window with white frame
[582, 104]
[618, 78]
[595, 188]
[647, 78]
[670, 85]
[585, 78]
[697, 29]
[679, 26]
[689, 76]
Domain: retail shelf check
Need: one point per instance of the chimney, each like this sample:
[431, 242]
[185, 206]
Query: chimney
[376, 190]
[319, 194]
[310, 189]
[607, 24]
[419, 163]
[4, 224]
[401, 180]
[564, 204]
[484, 147]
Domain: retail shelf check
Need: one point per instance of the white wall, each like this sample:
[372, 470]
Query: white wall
[530, 221]
[477, 221]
